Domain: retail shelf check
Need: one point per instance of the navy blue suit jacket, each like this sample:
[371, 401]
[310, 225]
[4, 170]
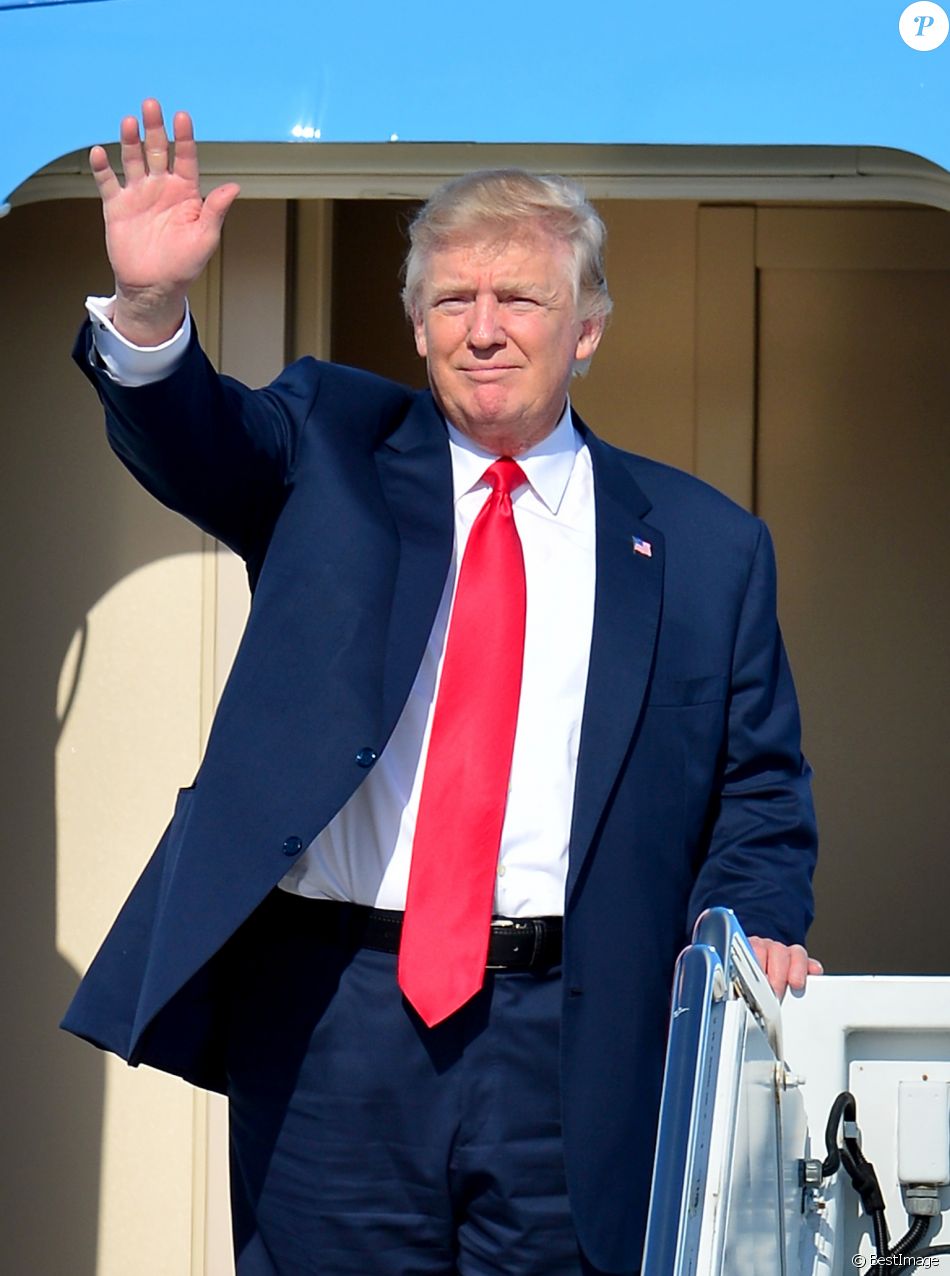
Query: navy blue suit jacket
[335, 486]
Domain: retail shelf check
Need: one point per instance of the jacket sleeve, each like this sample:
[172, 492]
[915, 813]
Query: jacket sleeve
[207, 446]
[763, 837]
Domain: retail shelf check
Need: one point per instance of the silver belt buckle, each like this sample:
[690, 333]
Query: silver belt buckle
[532, 930]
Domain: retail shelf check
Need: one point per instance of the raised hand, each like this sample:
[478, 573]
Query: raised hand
[160, 234]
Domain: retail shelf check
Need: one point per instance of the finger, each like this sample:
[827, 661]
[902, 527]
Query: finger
[815, 967]
[186, 152]
[797, 967]
[777, 970]
[773, 958]
[106, 180]
[156, 139]
[133, 165]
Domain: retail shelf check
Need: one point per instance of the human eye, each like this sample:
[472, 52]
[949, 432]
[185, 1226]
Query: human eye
[521, 303]
[451, 303]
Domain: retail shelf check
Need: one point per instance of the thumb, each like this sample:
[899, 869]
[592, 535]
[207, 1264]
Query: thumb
[216, 205]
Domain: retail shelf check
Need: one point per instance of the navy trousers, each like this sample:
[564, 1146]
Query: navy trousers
[364, 1143]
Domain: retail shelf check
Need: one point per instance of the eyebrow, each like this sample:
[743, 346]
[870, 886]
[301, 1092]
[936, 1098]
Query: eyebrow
[503, 288]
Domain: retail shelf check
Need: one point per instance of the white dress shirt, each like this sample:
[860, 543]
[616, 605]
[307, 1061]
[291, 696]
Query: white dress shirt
[363, 854]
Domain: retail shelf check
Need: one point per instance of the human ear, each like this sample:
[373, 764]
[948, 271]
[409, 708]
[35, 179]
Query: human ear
[419, 332]
[591, 332]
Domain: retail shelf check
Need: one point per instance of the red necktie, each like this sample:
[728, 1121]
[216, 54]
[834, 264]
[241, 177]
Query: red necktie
[444, 943]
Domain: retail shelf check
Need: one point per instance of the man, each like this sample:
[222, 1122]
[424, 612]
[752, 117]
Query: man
[493, 667]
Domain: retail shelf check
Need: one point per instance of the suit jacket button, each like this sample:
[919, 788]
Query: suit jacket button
[366, 757]
[292, 846]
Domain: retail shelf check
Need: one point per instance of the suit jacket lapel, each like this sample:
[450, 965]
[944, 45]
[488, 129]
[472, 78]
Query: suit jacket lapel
[415, 471]
[627, 603]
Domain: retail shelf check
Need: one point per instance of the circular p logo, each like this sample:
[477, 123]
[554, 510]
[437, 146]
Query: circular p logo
[924, 26]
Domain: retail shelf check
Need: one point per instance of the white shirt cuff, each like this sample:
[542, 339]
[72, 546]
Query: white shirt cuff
[128, 364]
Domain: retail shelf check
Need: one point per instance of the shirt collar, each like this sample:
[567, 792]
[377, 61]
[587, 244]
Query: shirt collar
[547, 466]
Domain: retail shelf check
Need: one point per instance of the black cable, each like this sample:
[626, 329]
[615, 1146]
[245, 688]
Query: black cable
[848, 1155]
[843, 1107]
[864, 1180]
[880, 1234]
[919, 1226]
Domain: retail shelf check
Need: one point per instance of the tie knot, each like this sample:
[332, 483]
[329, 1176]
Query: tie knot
[504, 475]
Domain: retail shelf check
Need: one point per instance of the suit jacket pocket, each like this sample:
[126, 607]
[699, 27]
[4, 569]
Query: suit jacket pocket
[674, 693]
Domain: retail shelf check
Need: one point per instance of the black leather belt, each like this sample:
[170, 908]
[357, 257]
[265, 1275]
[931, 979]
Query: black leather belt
[515, 943]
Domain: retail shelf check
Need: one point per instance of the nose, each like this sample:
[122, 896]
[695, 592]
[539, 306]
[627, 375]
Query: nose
[485, 328]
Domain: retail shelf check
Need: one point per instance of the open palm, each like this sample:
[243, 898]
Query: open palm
[160, 233]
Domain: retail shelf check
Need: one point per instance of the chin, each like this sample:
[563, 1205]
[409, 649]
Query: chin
[501, 437]
[489, 402]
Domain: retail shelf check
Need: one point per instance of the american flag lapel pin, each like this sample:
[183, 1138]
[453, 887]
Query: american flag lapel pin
[640, 546]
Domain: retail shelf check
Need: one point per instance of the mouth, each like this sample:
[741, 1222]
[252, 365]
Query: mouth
[488, 371]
